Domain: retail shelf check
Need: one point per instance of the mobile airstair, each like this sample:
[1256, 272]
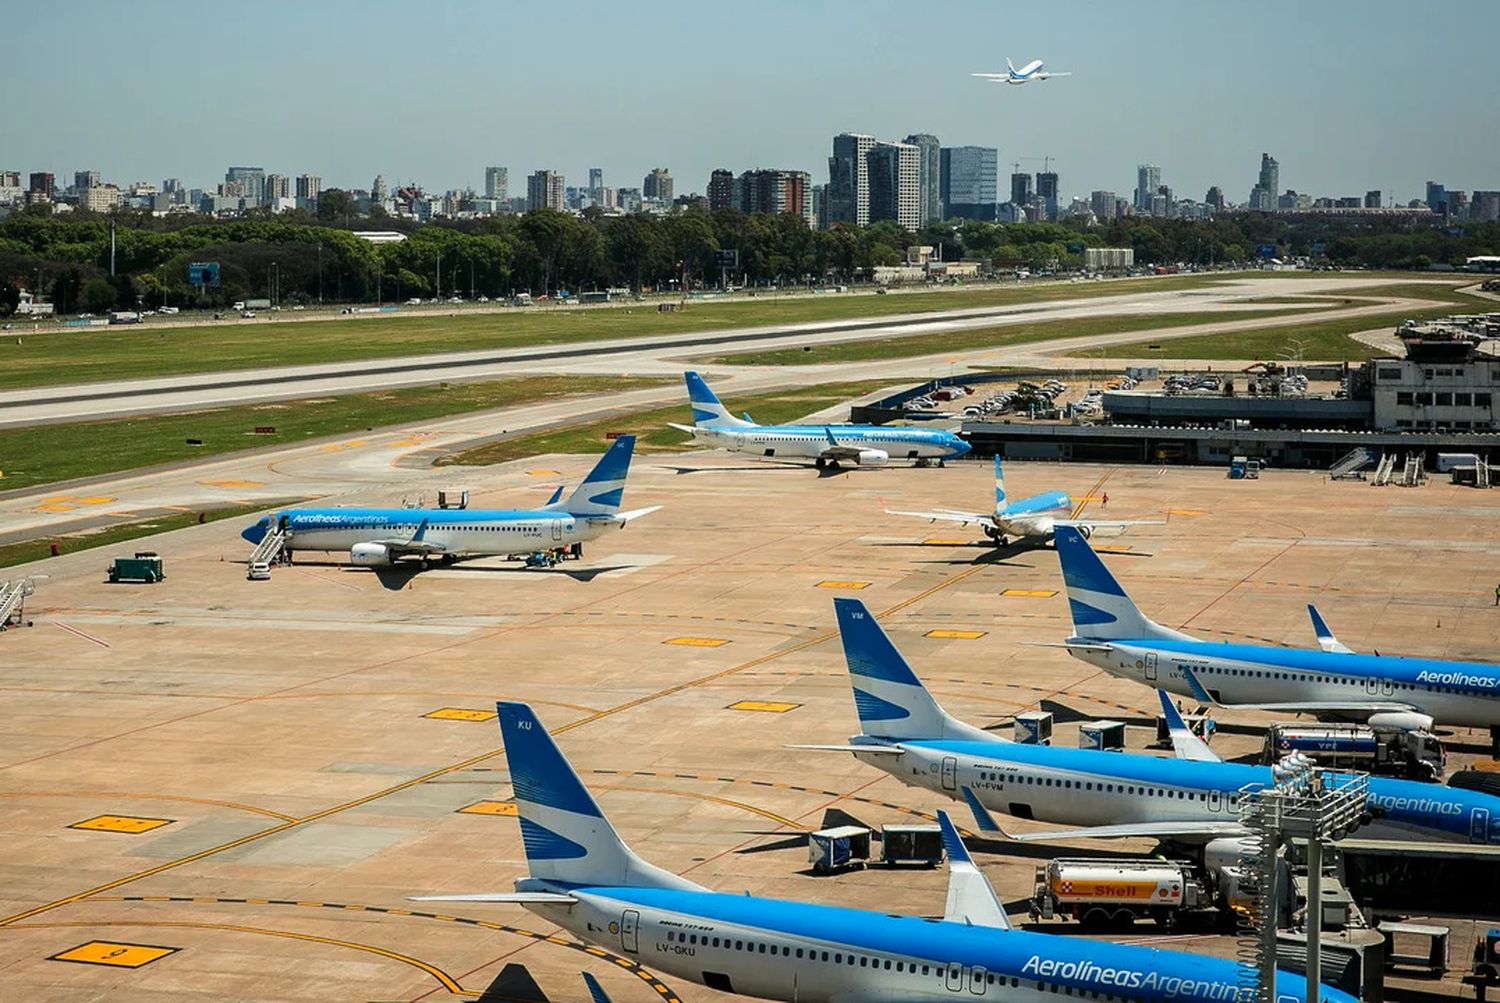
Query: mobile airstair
[1352, 464]
[1384, 469]
[272, 547]
[12, 596]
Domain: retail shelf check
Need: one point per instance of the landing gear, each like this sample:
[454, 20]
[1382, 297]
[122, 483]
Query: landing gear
[820, 463]
[922, 461]
[941, 463]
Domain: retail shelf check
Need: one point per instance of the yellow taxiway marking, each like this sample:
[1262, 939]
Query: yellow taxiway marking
[334, 447]
[1186, 511]
[959, 635]
[109, 952]
[149, 797]
[764, 706]
[1030, 593]
[1111, 548]
[460, 714]
[843, 585]
[489, 808]
[544, 472]
[233, 483]
[96, 500]
[55, 507]
[132, 824]
[946, 543]
[698, 642]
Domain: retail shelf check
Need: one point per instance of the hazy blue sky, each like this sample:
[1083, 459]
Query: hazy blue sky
[1346, 94]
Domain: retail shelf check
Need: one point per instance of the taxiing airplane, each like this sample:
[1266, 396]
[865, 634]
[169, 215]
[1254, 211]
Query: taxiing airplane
[1192, 799]
[825, 445]
[377, 537]
[1025, 75]
[1410, 693]
[585, 879]
[1032, 518]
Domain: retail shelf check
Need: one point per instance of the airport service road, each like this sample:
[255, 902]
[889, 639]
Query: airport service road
[247, 779]
[638, 355]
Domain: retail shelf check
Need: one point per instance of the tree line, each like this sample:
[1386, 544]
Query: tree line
[310, 258]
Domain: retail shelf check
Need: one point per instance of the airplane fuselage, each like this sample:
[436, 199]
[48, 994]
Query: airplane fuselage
[780, 950]
[1085, 787]
[466, 532]
[1033, 516]
[1463, 694]
[811, 441]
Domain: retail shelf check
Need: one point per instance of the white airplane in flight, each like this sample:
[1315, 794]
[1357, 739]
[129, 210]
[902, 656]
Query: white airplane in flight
[1025, 75]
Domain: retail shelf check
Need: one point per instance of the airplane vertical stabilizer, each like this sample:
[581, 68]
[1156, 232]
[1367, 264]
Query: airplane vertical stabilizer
[567, 838]
[1101, 610]
[999, 488]
[708, 410]
[603, 489]
[891, 700]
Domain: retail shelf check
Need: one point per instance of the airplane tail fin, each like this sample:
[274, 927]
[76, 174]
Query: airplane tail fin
[708, 410]
[999, 487]
[603, 489]
[1101, 609]
[891, 701]
[1009, 67]
[567, 839]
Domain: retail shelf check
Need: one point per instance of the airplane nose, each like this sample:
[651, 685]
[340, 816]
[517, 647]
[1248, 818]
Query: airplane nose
[960, 447]
[255, 532]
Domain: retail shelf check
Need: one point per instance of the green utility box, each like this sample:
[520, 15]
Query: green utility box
[145, 566]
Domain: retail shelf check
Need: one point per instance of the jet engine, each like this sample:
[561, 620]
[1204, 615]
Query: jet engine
[873, 458]
[1085, 530]
[1405, 720]
[370, 555]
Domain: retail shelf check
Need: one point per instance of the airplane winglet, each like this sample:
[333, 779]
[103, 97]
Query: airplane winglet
[746, 415]
[829, 432]
[421, 531]
[971, 897]
[1187, 745]
[596, 991]
[1199, 693]
[1326, 640]
[982, 817]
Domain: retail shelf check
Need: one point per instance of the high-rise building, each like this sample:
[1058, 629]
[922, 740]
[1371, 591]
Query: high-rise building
[895, 189]
[1437, 196]
[773, 192]
[1102, 205]
[277, 186]
[84, 180]
[1215, 199]
[820, 206]
[657, 185]
[10, 179]
[1147, 181]
[379, 192]
[628, 200]
[544, 190]
[720, 189]
[596, 185]
[1270, 173]
[309, 186]
[171, 186]
[252, 182]
[929, 174]
[496, 183]
[99, 198]
[1485, 207]
[1372, 198]
[1020, 190]
[41, 183]
[1046, 190]
[968, 181]
[848, 193]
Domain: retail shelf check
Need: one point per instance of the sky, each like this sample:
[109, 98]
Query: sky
[1347, 94]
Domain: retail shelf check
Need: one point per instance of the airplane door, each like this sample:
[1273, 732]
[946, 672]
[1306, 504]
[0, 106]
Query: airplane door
[1150, 666]
[955, 977]
[950, 773]
[630, 921]
[1387, 688]
[977, 980]
[1479, 825]
[1372, 686]
[556, 530]
[1215, 801]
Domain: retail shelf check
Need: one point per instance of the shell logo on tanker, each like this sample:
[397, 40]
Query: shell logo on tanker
[1140, 890]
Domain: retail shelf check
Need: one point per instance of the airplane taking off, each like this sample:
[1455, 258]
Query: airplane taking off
[1191, 799]
[1025, 75]
[585, 879]
[1032, 518]
[827, 446]
[1409, 693]
[378, 537]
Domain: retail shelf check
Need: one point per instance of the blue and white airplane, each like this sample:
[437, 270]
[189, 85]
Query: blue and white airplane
[1191, 799]
[585, 879]
[377, 537]
[825, 445]
[1032, 518]
[1030, 72]
[1411, 693]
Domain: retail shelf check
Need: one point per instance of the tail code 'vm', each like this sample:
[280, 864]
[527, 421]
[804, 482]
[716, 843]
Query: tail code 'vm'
[708, 410]
[568, 840]
[1101, 610]
[891, 700]
[603, 489]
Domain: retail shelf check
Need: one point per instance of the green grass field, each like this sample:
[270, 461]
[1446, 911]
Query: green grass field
[39, 548]
[48, 453]
[651, 426]
[975, 340]
[94, 354]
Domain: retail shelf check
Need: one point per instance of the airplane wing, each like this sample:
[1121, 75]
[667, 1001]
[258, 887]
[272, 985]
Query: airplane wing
[689, 429]
[1108, 523]
[947, 515]
[1326, 640]
[1046, 74]
[991, 76]
[971, 898]
[884, 750]
[416, 544]
[1309, 707]
[625, 518]
[1187, 745]
[1207, 830]
[519, 898]
[838, 451]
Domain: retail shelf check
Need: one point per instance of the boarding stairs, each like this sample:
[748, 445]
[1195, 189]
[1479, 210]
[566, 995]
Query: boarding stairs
[1384, 469]
[1482, 478]
[12, 595]
[1414, 473]
[1352, 464]
[271, 547]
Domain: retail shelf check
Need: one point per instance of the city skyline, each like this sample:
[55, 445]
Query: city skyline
[1205, 115]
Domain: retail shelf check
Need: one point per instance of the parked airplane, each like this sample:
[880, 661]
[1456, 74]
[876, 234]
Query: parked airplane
[825, 445]
[1191, 799]
[376, 537]
[1025, 75]
[585, 879]
[1412, 693]
[1034, 518]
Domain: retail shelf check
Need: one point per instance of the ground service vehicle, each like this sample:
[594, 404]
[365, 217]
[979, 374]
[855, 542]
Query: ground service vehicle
[1115, 893]
[1387, 752]
[145, 566]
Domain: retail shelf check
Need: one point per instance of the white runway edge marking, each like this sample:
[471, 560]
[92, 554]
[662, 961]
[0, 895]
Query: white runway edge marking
[260, 623]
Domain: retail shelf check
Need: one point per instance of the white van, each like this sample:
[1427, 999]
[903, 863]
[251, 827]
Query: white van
[259, 571]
